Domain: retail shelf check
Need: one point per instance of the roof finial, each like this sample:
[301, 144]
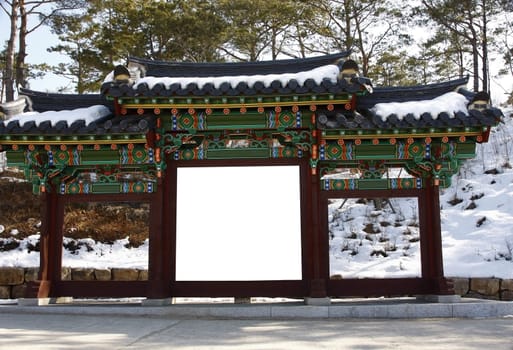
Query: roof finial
[480, 101]
[121, 74]
[349, 70]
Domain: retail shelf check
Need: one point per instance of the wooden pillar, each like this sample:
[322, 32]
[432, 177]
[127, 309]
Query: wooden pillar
[169, 209]
[50, 256]
[431, 240]
[317, 254]
[157, 284]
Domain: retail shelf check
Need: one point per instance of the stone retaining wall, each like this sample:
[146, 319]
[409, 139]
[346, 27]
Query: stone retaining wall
[13, 281]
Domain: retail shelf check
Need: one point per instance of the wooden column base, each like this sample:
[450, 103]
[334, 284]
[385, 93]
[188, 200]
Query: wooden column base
[318, 288]
[44, 289]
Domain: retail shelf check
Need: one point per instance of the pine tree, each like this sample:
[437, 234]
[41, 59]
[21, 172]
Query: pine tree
[16, 71]
[466, 21]
[257, 27]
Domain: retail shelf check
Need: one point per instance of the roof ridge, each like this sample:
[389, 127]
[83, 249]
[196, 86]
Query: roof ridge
[160, 68]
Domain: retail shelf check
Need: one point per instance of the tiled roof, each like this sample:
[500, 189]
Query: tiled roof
[405, 110]
[73, 117]
[366, 119]
[227, 89]
[409, 93]
[109, 125]
[317, 75]
[439, 106]
[189, 69]
[44, 101]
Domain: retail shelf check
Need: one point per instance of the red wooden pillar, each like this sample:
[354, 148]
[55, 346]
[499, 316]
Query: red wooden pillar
[158, 286]
[431, 240]
[169, 210]
[317, 258]
[50, 255]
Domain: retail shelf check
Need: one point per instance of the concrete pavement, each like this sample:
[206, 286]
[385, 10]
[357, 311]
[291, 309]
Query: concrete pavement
[78, 331]
[398, 324]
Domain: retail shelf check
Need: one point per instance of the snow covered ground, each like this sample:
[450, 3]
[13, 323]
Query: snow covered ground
[477, 217]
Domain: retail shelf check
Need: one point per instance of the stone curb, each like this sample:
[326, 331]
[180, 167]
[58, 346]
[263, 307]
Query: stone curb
[402, 309]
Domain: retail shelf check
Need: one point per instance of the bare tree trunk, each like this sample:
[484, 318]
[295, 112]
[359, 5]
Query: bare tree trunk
[21, 73]
[10, 54]
[486, 73]
[475, 64]
[348, 27]
[274, 49]
[300, 41]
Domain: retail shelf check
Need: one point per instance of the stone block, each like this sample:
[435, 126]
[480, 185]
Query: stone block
[318, 301]
[31, 274]
[18, 291]
[475, 310]
[66, 273]
[103, 274]
[82, 274]
[157, 302]
[507, 295]
[461, 285]
[5, 292]
[121, 274]
[242, 300]
[474, 295]
[143, 275]
[507, 284]
[443, 299]
[485, 286]
[11, 275]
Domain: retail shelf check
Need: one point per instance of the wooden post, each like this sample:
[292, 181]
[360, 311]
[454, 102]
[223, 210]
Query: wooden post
[431, 240]
[157, 285]
[169, 208]
[50, 246]
[316, 243]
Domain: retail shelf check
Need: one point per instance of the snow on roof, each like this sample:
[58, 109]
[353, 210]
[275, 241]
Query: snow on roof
[318, 74]
[89, 115]
[450, 103]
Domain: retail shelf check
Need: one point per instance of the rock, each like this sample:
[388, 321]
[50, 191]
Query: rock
[507, 285]
[121, 274]
[143, 275]
[11, 276]
[507, 295]
[18, 291]
[82, 274]
[66, 274]
[475, 295]
[461, 285]
[102, 274]
[31, 274]
[5, 292]
[485, 286]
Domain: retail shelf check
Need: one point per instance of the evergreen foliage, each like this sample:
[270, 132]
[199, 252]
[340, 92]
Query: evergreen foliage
[456, 38]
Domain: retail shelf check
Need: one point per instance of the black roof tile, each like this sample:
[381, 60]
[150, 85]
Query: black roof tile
[179, 70]
[188, 69]
[44, 101]
[410, 93]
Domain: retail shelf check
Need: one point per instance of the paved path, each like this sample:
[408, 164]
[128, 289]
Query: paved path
[72, 331]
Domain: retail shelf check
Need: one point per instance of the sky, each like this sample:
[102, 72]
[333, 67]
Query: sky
[37, 45]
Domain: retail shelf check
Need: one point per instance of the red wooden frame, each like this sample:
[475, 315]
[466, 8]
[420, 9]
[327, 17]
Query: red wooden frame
[315, 280]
